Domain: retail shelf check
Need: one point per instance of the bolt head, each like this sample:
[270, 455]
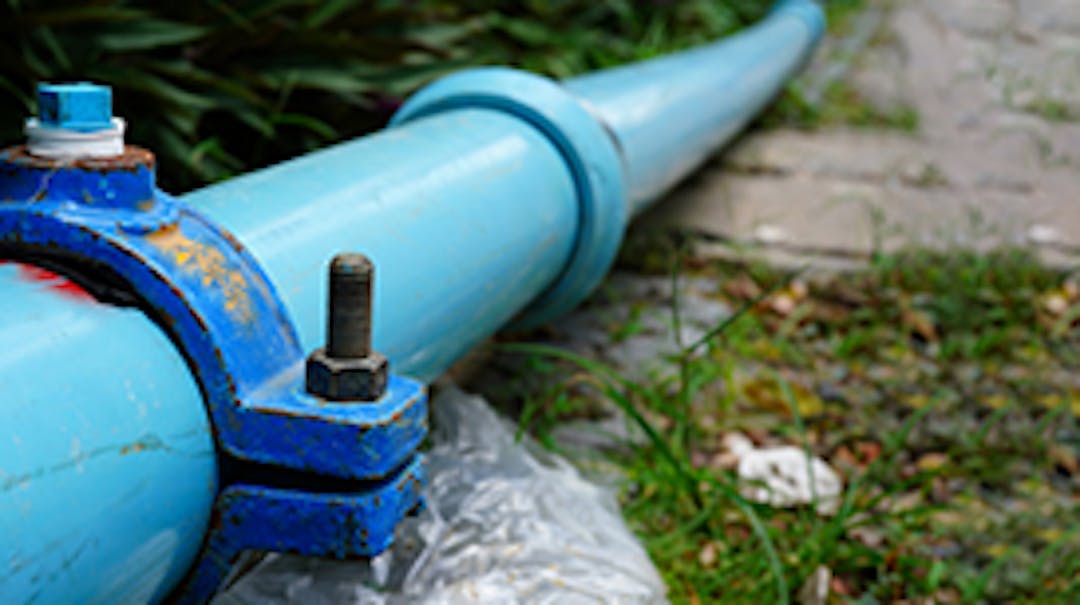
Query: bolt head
[80, 106]
[347, 379]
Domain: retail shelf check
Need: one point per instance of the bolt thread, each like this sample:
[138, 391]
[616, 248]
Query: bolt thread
[349, 326]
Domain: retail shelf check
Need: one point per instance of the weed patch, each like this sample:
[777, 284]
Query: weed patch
[940, 386]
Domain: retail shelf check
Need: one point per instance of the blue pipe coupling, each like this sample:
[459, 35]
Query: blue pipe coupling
[591, 157]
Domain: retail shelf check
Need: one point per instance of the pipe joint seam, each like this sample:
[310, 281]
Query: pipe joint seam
[591, 156]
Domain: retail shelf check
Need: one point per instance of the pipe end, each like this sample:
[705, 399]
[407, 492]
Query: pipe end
[809, 11]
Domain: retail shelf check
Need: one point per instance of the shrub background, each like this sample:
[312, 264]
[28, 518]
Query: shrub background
[218, 87]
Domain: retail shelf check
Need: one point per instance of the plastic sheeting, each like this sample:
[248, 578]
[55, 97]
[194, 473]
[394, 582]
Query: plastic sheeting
[506, 523]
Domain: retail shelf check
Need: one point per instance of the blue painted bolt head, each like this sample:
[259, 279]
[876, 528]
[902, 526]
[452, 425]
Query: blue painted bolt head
[80, 106]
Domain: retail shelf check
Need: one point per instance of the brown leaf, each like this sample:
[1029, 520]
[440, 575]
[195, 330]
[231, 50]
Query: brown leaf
[920, 323]
[1063, 457]
[868, 452]
[841, 587]
[1071, 288]
[869, 536]
[767, 394]
[931, 462]
[724, 461]
[799, 290]
[844, 457]
[742, 288]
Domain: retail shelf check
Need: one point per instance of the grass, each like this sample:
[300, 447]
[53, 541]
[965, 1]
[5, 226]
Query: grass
[940, 386]
[841, 104]
[1053, 110]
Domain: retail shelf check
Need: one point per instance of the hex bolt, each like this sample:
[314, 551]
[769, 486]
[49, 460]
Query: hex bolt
[347, 369]
[75, 121]
[348, 330]
[80, 106]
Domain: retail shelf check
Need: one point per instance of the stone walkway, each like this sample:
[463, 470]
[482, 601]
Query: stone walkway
[994, 159]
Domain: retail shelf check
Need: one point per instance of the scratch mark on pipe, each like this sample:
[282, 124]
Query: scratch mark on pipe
[146, 443]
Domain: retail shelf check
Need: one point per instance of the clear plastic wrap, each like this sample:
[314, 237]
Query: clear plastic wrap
[506, 523]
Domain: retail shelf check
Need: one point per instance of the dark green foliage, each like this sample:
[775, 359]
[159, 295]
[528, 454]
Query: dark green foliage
[216, 88]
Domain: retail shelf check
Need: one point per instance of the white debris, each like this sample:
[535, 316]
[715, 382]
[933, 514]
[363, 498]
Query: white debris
[785, 476]
[1043, 235]
[770, 235]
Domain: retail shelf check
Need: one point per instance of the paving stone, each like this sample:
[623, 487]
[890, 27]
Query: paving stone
[1049, 16]
[840, 154]
[979, 17]
[996, 84]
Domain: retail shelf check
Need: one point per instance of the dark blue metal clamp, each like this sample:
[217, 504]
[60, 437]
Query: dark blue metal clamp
[300, 471]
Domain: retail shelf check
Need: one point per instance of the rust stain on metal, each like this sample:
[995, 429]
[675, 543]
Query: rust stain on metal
[132, 159]
[235, 243]
[210, 265]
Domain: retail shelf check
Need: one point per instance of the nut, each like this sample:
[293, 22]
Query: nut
[346, 378]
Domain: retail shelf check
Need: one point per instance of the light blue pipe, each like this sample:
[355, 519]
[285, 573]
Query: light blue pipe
[670, 114]
[107, 465]
[495, 196]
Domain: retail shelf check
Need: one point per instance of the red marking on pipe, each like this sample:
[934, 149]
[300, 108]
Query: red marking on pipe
[55, 282]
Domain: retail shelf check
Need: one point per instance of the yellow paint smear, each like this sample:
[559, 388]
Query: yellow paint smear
[209, 264]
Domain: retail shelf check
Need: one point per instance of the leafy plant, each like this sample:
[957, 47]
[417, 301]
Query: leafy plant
[216, 88]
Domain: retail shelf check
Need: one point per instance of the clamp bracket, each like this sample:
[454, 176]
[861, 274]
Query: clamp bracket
[103, 220]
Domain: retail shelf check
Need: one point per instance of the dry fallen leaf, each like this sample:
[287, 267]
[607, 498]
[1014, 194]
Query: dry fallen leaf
[994, 401]
[767, 394]
[868, 536]
[724, 461]
[920, 323]
[931, 462]
[1063, 457]
[841, 587]
[868, 452]
[1071, 287]
[742, 288]
[799, 289]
